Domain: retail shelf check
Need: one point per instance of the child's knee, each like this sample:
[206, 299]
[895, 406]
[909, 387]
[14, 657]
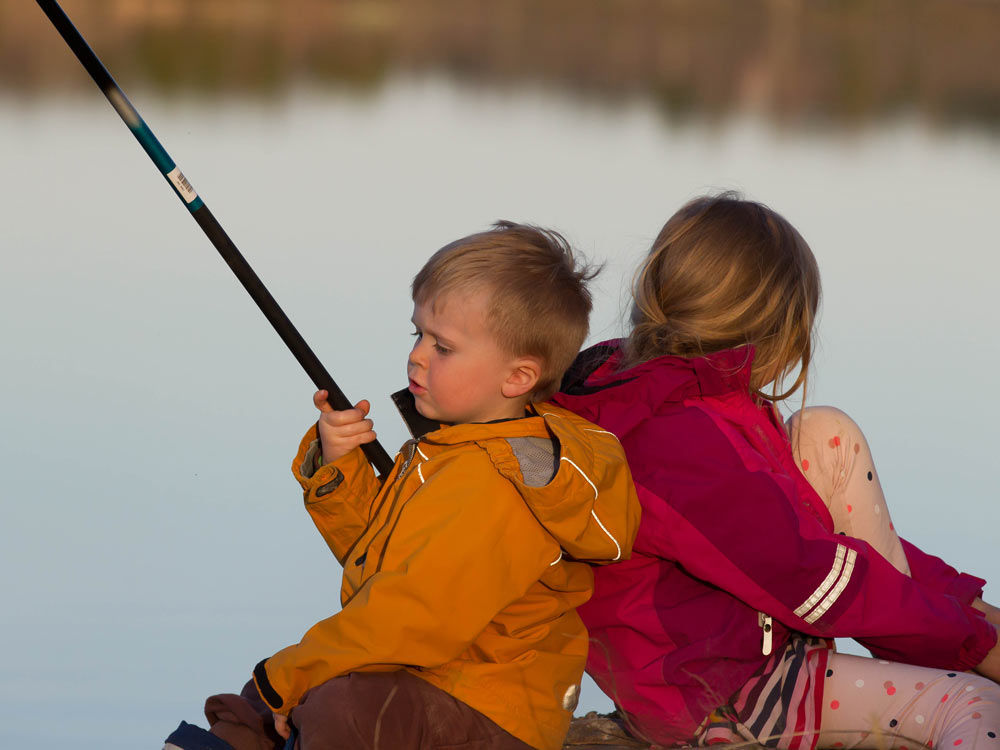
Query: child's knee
[976, 691]
[337, 701]
[819, 424]
[828, 444]
[972, 710]
[835, 458]
[355, 709]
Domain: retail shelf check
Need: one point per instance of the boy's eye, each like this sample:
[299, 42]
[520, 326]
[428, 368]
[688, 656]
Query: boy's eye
[441, 350]
[416, 334]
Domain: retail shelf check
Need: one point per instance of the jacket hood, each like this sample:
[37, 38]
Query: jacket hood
[596, 382]
[571, 473]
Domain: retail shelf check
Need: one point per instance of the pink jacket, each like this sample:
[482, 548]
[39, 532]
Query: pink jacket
[730, 528]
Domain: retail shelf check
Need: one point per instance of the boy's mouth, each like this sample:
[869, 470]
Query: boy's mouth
[415, 388]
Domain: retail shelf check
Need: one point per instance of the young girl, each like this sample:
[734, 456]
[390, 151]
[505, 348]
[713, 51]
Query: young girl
[761, 541]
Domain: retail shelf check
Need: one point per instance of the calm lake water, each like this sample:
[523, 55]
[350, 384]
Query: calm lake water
[152, 539]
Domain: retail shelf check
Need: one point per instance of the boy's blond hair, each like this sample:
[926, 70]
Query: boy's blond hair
[724, 272]
[538, 302]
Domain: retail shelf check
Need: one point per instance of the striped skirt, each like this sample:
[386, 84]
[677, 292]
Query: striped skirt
[779, 707]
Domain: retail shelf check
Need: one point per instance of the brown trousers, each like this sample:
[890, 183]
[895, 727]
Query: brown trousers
[361, 711]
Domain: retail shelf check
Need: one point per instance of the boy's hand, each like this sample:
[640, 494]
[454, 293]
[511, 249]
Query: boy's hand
[281, 725]
[340, 432]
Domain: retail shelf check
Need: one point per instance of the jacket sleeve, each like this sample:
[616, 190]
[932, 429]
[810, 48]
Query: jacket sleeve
[338, 495]
[456, 558]
[936, 574]
[748, 532]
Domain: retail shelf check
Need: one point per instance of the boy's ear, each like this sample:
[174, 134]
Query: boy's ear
[522, 378]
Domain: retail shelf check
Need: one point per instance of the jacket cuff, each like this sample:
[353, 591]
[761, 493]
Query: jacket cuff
[267, 692]
[978, 645]
[965, 588]
[316, 478]
[312, 461]
[303, 465]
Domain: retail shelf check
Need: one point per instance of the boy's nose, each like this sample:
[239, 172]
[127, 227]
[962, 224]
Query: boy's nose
[416, 358]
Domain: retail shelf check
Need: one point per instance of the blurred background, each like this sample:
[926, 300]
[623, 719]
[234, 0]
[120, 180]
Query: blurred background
[152, 541]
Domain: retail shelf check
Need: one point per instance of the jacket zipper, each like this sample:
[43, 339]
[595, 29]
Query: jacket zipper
[412, 444]
[765, 623]
[406, 462]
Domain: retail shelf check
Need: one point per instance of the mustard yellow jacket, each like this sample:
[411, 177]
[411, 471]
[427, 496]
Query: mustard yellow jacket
[466, 565]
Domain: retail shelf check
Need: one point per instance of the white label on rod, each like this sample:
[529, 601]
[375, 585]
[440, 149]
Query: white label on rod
[183, 186]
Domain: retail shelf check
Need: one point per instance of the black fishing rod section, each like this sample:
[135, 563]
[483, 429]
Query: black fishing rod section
[374, 452]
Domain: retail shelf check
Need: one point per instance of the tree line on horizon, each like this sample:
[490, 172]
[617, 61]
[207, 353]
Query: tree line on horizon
[846, 61]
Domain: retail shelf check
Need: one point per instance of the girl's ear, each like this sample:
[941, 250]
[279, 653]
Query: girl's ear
[522, 377]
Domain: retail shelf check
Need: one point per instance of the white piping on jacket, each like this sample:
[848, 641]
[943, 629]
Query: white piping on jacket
[832, 586]
[585, 429]
[832, 597]
[824, 587]
[594, 488]
[420, 471]
[557, 559]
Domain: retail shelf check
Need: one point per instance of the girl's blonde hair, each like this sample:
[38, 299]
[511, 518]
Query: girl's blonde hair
[722, 273]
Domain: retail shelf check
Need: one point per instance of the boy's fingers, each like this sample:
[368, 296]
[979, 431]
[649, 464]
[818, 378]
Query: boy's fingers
[344, 444]
[356, 438]
[346, 418]
[351, 431]
[353, 441]
[320, 400]
[365, 425]
[281, 725]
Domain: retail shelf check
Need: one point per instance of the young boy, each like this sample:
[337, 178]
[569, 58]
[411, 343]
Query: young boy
[462, 568]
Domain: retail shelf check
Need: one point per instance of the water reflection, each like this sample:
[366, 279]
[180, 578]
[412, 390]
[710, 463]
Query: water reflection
[799, 62]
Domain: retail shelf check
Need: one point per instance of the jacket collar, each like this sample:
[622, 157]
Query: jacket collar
[438, 432]
[415, 422]
[599, 368]
[596, 379]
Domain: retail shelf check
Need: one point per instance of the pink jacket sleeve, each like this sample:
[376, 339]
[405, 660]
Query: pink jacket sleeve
[749, 533]
[935, 573]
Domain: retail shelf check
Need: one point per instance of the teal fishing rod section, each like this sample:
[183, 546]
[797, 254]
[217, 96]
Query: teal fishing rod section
[374, 451]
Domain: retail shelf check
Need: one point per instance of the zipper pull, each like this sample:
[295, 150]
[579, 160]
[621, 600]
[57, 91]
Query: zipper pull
[406, 462]
[764, 621]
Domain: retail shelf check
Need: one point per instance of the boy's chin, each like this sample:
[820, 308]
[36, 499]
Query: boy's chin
[430, 414]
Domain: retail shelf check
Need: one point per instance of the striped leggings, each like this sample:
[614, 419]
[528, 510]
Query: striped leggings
[869, 703]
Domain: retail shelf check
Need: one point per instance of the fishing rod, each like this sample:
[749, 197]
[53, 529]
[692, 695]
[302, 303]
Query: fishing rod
[374, 452]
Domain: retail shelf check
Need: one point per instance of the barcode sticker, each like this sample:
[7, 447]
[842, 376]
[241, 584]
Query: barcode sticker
[183, 186]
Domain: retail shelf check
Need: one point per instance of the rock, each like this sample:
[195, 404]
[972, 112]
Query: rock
[600, 732]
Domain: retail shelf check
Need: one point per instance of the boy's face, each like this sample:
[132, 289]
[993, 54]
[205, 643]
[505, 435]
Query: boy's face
[457, 372]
